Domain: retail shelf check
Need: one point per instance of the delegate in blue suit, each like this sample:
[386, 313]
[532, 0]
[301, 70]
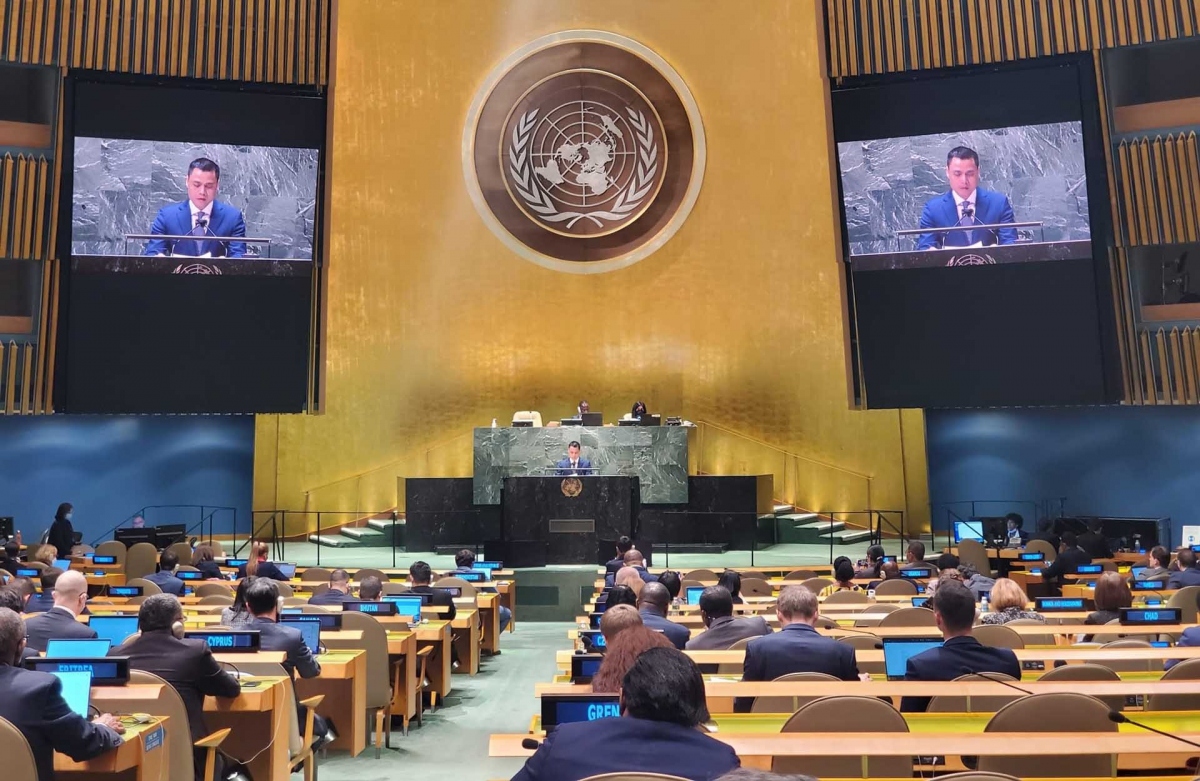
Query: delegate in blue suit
[201, 215]
[966, 204]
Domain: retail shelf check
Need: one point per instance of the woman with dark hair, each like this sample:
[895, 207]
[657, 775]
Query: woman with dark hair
[731, 581]
[203, 560]
[258, 566]
[673, 582]
[624, 651]
[843, 573]
[620, 595]
[1112, 594]
[62, 533]
[638, 411]
[237, 613]
[870, 567]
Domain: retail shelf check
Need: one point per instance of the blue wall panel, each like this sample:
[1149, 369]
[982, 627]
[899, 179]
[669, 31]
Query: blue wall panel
[1135, 461]
[109, 467]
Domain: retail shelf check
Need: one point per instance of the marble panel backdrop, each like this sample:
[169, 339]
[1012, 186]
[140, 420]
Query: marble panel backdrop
[121, 184]
[886, 182]
[657, 455]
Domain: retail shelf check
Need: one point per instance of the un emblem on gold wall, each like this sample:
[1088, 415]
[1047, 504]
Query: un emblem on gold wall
[584, 151]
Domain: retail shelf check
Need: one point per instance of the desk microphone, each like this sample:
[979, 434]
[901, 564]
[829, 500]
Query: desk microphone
[1120, 718]
[530, 744]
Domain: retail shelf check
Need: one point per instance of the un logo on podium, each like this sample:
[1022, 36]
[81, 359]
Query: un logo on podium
[584, 151]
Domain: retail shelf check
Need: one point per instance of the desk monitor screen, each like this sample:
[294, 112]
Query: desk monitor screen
[915, 574]
[1089, 569]
[522, 424]
[189, 575]
[124, 591]
[920, 588]
[115, 629]
[1058, 604]
[592, 418]
[473, 576]
[919, 601]
[1196, 549]
[311, 632]
[1033, 556]
[78, 649]
[1153, 601]
[408, 607]
[330, 622]
[1136, 616]
[62, 564]
[593, 641]
[374, 608]
[601, 604]
[693, 594]
[235, 563]
[25, 572]
[594, 620]
[104, 559]
[898, 650]
[454, 591]
[1136, 572]
[489, 565]
[968, 530]
[1148, 585]
[889, 560]
[108, 671]
[579, 707]
[288, 569]
[585, 666]
[227, 641]
[76, 690]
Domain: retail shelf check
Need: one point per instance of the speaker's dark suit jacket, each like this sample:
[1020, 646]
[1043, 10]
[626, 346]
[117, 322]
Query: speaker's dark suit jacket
[189, 666]
[957, 657]
[53, 625]
[1065, 564]
[797, 648]
[33, 702]
[624, 744]
[582, 467]
[176, 220]
[991, 208]
[277, 637]
[727, 630]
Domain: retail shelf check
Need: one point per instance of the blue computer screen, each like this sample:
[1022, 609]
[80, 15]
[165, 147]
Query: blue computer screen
[898, 650]
[115, 629]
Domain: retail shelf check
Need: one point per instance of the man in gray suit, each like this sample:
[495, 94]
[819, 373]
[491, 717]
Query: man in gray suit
[723, 630]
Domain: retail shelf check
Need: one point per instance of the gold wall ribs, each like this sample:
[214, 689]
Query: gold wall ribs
[886, 36]
[271, 41]
[24, 204]
[1158, 187]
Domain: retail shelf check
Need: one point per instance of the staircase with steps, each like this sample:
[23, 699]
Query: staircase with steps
[378, 533]
[812, 529]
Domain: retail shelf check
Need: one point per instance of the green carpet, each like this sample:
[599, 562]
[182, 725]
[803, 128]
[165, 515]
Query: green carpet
[453, 743]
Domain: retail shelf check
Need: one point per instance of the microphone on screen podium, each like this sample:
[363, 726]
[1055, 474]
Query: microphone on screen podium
[202, 222]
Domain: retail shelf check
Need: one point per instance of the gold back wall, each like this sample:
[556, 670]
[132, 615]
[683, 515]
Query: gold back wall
[434, 327]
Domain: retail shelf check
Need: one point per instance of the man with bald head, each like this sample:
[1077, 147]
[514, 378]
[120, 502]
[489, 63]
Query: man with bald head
[34, 704]
[797, 648]
[652, 605]
[637, 561]
[617, 619]
[62, 620]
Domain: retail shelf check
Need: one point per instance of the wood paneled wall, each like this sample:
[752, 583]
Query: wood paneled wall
[25, 207]
[1159, 197]
[277, 41]
[886, 36]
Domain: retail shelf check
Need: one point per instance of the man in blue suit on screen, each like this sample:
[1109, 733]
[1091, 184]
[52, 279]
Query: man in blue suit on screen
[573, 465]
[201, 215]
[966, 204]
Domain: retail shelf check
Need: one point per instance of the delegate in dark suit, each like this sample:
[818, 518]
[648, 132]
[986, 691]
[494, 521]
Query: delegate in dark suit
[576, 751]
[1065, 564]
[168, 583]
[727, 630]
[581, 467]
[34, 704]
[1096, 545]
[678, 634]
[276, 637]
[39, 603]
[56, 623]
[956, 657]
[797, 648]
[210, 570]
[189, 666]
[1189, 639]
[1184, 578]
[991, 208]
[176, 220]
[330, 597]
[438, 598]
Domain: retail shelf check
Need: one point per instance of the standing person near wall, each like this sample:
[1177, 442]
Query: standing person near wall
[62, 533]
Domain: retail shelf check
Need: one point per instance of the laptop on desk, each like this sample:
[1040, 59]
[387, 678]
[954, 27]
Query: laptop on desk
[898, 650]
